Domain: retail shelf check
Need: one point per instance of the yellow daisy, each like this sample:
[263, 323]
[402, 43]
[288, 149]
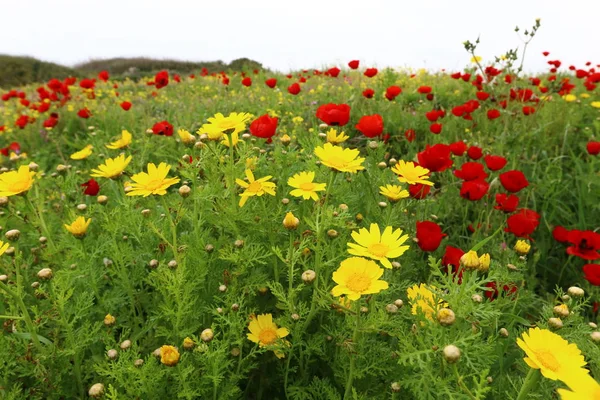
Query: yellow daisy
[304, 186]
[3, 247]
[219, 125]
[583, 387]
[265, 332]
[123, 141]
[83, 153]
[357, 276]
[112, 167]
[254, 187]
[550, 353]
[412, 174]
[155, 181]
[340, 159]
[16, 182]
[169, 355]
[79, 227]
[595, 104]
[393, 193]
[235, 139]
[186, 137]
[334, 138]
[377, 246]
[424, 300]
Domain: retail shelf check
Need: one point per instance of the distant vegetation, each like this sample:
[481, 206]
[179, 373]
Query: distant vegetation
[18, 71]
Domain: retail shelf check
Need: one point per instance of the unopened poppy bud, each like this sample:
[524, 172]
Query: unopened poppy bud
[109, 320]
[138, 363]
[125, 344]
[290, 222]
[13, 234]
[576, 291]
[96, 390]
[561, 310]
[470, 260]
[222, 288]
[238, 243]
[332, 233]
[188, 343]
[45, 273]
[207, 335]
[451, 353]
[172, 264]
[391, 308]
[395, 386]
[522, 247]
[153, 263]
[112, 354]
[169, 355]
[446, 316]
[595, 336]
[503, 332]
[184, 191]
[309, 276]
[555, 323]
[484, 262]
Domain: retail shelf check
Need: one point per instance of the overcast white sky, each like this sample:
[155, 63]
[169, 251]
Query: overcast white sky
[285, 34]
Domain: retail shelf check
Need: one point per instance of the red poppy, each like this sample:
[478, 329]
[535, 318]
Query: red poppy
[418, 191]
[434, 115]
[370, 125]
[475, 152]
[593, 148]
[103, 76]
[591, 273]
[546, 53]
[523, 223]
[14, 147]
[429, 235]
[294, 89]
[225, 81]
[585, 244]
[91, 188]
[333, 72]
[247, 81]
[264, 127]
[125, 105]
[424, 89]
[458, 148]
[452, 257]
[474, 190]
[494, 163]
[392, 92]
[506, 203]
[84, 113]
[492, 292]
[163, 128]
[370, 72]
[435, 128]
[435, 158]
[471, 171]
[493, 114]
[430, 96]
[271, 82]
[51, 122]
[368, 93]
[560, 234]
[334, 114]
[483, 96]
[87, 83]
[354, 64]
[161, 79]
[410, 135]
[528, 110]
[513, 181]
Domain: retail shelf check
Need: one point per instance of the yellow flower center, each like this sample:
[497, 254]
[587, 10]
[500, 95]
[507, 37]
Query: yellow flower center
[267, 336]
[547, 359]
[254, 187]
[358, 283]
[378, 249]
[154, 184]
[307, 186]
[336, 162]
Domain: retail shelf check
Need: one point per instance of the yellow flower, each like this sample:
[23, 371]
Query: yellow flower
[412, 174]
[595, 104]
[186, 137]
[484, 262]
[290, 221]
[334, 138]
[79, 227]
[297, 120]
[169, 355]
[550, 353]
[219, 125]
[254, 187]
[3, 247]
[340, 159]
[475, 59]
[112, 167]
[583, 387]
[235, 139]
[584, 95]
[424, 299]
[124, 141]
[522, 247]
[373, 244]
[569, 98]
[16, 182]
[393, 193]
[357, 276]
[265, 332]
[470, 260]
[251, 162]
[83, 153]
[304, 186]
[153, 182]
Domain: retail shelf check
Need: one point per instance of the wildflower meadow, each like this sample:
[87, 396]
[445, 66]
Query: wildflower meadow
[344, 233]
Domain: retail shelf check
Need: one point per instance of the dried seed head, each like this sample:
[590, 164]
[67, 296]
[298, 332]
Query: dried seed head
[13, 234]
[96, 390]
[235, 307]
[395, 386]
[45, 273]
[445, 316]
[112, 354]
[172, 264]
[125, 344]
[477, 298]
[188, 343]
[184, 191]
[207, 335]
[576, 291]
[561, 310]
[595, 336]
[109, 320]
[503, 332]
[309, 276]
[391, 308]
[399, 303]
[451, 353]
[555, 323]
[153, 263]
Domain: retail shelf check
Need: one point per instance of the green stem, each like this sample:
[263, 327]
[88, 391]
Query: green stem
[16, 317]
[531, 381]
[39, 213]
[173, 228]
[26, 317]
[348, 391]
[461, 384]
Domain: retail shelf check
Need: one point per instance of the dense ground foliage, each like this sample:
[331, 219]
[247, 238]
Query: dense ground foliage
[329, 234]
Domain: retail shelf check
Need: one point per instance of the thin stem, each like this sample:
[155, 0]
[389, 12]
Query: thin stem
[461, 384]
[529, 383]
[173, 228]
[348, 391]
[26, 317]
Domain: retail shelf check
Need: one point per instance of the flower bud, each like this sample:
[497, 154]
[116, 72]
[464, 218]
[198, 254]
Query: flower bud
[555, 323]
[451, 353]
[235, 307]
[295, 317]
[285, 201]
[3, 201]
[239, 243]
[285, 139]
[399, 303]
[561, 310]
[184, 191]
[81, 207]
[96, 390]
[235, 352]
[470, 260]
[43, 239]
[172, 264]
[209, 248]
[395, 264]
[188, 343]
[503, 332]
[169, 355]
[207, 335]
[393, 161]
[395, 386]
[373, 144]
[138, 363]
[576, 291]
[595, 336]
[153, 263]
[112, 354]
[343, 207]
[477, 298]
[309, 276]
[484, 262]
[382, 165]
[290, 222]
[593, 325]
[522, 247]
[45, 273]
[109, 320]
[3, 278]
[332, 233]
[391, 308]
[146, 212]
[33, 166]
[445, 316]
[13, 234]
[364, 309]
[222, 288]
[382, 204]
[125, 344]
